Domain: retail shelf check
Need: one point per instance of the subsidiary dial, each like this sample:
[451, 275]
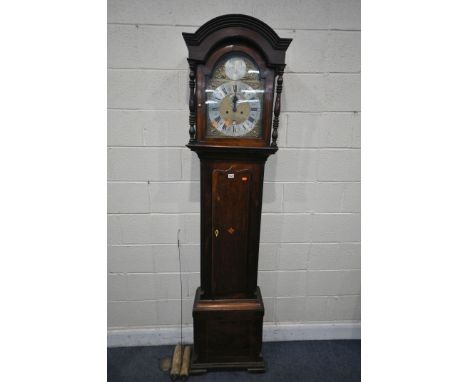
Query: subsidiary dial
[235, 68]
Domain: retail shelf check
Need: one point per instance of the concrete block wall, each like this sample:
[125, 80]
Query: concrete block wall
[310, 239]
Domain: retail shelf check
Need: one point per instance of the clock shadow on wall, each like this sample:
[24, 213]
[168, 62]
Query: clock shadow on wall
[235, 82]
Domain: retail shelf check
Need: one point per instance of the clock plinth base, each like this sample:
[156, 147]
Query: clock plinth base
[198, 368]
[227, 334]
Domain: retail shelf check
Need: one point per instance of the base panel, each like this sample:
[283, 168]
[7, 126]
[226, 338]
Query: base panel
[227, 334]
[197, 368]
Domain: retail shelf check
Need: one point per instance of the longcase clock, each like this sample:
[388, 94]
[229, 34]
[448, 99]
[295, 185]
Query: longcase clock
[236, 78]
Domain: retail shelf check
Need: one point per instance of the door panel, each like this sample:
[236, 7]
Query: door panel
[230, 217]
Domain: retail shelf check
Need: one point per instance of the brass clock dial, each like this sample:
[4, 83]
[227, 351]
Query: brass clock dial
[234, 99]
[234, 109]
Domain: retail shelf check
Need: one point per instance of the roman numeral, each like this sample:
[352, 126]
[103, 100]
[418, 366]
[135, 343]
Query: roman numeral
[251, 119]
[218, 118]
[254, 108]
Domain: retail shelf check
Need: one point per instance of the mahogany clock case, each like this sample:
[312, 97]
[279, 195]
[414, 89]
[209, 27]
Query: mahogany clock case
[228, 308]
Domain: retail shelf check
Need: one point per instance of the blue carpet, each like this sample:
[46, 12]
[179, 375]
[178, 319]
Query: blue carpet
[311, 361]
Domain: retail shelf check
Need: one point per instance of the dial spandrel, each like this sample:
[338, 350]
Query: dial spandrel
[234, 99]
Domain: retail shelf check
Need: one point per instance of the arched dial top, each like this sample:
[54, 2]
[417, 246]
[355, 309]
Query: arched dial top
[234, 98]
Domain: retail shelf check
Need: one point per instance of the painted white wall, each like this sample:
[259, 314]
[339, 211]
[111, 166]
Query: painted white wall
[309, 268]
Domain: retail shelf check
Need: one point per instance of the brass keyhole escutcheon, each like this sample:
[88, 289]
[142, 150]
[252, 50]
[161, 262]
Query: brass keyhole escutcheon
[216, 232]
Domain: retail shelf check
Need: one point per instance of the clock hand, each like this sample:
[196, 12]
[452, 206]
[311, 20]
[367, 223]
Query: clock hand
[235, 99]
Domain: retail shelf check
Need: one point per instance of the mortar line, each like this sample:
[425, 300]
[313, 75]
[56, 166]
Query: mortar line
[283, 111]
[317, 112]
[152, 213]
[190, 298]
[267, 181]
[279, 30]
[298, 148]
[318, 72]
[263, 242]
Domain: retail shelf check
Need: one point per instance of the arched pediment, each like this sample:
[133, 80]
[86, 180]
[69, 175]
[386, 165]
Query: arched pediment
[236, 28]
